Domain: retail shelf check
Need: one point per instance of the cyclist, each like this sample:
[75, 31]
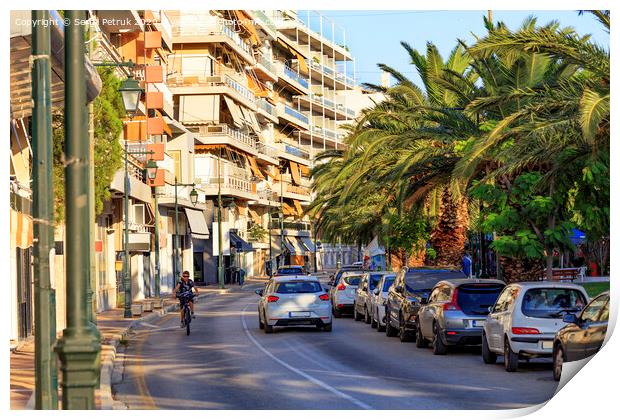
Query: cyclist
[186, 285]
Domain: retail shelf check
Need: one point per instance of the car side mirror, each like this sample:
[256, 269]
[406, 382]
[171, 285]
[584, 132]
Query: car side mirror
[376, 291]
[423, 301]
[570, 319]
[259, 292]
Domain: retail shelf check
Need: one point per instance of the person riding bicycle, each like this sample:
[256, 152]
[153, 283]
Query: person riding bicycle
[184, 292]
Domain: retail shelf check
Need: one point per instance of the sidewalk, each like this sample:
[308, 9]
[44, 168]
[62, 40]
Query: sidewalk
[112, 327]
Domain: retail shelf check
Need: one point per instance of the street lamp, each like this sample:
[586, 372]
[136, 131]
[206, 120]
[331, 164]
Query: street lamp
[151, 170]
[131, 92]
[193, 196]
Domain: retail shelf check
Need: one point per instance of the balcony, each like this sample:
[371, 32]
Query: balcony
[267, 154]
[267, 110]
[212, 85]
[298, 226]
[210, 30]
[330, 77]
[266, 69]
[266, 23]
[320, 103]
[224, 134]
[290, 76]
[294, 150]
[292, 115]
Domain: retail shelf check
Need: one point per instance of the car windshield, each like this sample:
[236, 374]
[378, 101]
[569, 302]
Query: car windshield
[374, 280]
[290, 270]
[387, 283]
[476, 299]
[424, 280]
[352, 280]
[341, 273]
[288, 287]
[552, 302]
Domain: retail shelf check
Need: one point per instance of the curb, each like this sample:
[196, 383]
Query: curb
[108, 351]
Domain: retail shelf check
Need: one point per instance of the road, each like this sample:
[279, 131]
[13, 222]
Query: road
[228, 363]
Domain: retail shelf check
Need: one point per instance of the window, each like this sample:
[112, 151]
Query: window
[387, 282]
[374, 280]
[604, 316]
[353, 280]
[434, 294]
[592, 311]
[138, 214]
[502, 301]
[551, 302]
[291, 287]
[176, 156]
[475, 300]
[444, 294]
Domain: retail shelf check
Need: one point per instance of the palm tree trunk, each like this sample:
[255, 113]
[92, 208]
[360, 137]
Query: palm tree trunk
[449, 235]
[521, 269]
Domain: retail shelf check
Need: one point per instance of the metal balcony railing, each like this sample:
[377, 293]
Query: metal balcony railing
[299, 226]
[203, 29]
[225, 80]
[267, 64]
[267, 107]
[263, 18]
[296, 114]
[294, 150]
[272, 152]
[226, 130]
[291, 74]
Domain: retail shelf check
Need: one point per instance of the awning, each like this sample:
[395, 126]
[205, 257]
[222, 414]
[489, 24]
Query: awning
[235, 111]
[199, 109]
[287, 209]
[305, 171]
[300, 58]
[239, 244]
[197, 224]
[255, 216]
[242, 18]
[307, 243]
[276, 248]
[300, 210]
[257, 173]
[294, 245]
[295, 173]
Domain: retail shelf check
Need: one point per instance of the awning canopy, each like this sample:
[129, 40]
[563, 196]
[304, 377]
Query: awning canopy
[197, 224]
[139, 242]
[294, 245]
[235, 112]
[239, 244]
[307, 243]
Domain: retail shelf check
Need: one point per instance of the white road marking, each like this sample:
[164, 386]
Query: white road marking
[310, 378]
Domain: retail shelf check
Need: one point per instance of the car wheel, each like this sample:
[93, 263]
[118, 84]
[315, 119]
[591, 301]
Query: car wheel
[558, 361]
[366, 315]
[268, 328]
[390, 331]
[511, 359]
[373, 320]
[420, 341]
[356, 315]
[402, 332]
[488, 356]
[439, 348]
[261, 325]
[327, 327]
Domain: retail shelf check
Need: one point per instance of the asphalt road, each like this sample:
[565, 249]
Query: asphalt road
[229, 363]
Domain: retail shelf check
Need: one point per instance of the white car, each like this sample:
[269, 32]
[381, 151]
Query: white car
[363, 295]
[524, 320]
[342, 293]
[294, 300]
[378, 300]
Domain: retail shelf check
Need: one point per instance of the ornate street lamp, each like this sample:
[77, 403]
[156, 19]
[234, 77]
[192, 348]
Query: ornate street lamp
[151, 170]
[131, 92]
[193, 196]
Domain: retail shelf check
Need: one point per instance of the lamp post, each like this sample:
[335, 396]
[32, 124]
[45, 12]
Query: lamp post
[79, 347]
[220, 257]
[282, 210]
[193, 196]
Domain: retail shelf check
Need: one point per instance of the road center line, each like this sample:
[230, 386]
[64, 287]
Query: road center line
[310, 378]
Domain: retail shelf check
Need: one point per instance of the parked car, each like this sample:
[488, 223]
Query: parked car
[378, 300]
[294, 300]
[335, 278]
[584, 334]
[363, 294]
[455, 313]
[403, 302]
[342, 293]
[524, 320]
[288, 270]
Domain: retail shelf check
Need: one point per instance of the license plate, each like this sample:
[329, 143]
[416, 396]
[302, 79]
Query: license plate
[478, 323]
[547, 344]
[299, 314]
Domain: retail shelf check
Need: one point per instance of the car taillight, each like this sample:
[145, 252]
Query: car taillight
[523, 330]
[324, 297]
[272, 298]
[341, 286]
[452, 305]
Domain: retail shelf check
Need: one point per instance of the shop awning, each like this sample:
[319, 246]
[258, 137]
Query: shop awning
[294, 245]
[307, 243]
[197, 224]
[239, 244]
[276, 248]
[139, 242]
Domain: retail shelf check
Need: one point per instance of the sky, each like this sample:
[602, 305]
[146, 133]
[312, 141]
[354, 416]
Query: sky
[373, 36]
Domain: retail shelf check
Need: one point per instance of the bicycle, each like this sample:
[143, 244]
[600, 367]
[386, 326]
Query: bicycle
[187, 315]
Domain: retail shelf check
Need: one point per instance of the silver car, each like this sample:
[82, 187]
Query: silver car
[524, 320]
[378, 301]
[342, 293]
[364, 293]
[294, 300]
[455, 312]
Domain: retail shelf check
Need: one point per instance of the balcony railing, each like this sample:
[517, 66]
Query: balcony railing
[291, 74]
[299, 226]
[297, 189]
[225, 80]
[265, 194]
[294, 150]
[267, 64]
[267, 107]
[295, 114]
[263, 18]
[272, 152]
[202, 29]
[225, 130]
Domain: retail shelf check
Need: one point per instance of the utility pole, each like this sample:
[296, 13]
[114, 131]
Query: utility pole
[79, 347]
[126, 274]
[220, 257]
[91, 287]
[46, 379]
[270, 251]
[157, 263]
[282, 210]
[176, 234]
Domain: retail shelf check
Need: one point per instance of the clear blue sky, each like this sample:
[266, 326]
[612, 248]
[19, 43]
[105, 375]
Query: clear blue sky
[374, 36]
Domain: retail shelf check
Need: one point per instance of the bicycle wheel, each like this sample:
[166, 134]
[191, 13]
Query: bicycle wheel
[188, 319]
